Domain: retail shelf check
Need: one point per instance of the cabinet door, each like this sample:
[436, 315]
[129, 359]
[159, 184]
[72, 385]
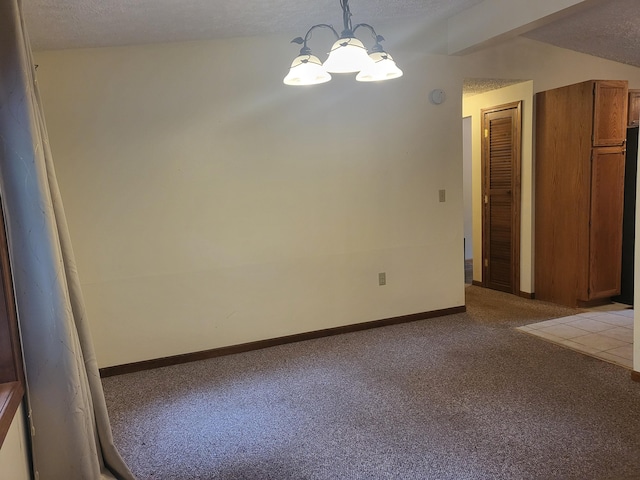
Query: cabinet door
[634, 108]
[605, 237]
[610, 113]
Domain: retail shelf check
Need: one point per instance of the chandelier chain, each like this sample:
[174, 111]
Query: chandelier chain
[346, 14]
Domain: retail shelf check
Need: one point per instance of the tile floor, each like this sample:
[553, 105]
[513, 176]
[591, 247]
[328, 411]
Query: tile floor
[602, 333]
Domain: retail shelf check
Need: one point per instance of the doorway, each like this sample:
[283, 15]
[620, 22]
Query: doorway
[467, 197]
[501, 158]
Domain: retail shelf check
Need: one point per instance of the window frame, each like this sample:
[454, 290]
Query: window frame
[11, 369]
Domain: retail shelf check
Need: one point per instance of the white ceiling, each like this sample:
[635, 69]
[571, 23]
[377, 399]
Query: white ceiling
[61, 24]
[608, 28]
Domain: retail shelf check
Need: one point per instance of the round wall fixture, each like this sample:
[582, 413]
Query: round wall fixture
[437, 96]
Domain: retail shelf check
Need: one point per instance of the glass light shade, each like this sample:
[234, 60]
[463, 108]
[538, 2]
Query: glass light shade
[306, 70]
[347, 55]
[382, 68]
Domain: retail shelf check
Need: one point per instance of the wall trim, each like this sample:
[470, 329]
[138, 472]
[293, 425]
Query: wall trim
[530, 296]
[272, 342]
[596, 302]
[635, 376]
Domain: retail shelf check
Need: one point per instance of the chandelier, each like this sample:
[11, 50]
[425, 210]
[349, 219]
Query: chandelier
[347, 55]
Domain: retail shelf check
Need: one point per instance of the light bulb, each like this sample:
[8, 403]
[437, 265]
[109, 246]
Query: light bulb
[347, 55]
[382, 68]
[306, 70]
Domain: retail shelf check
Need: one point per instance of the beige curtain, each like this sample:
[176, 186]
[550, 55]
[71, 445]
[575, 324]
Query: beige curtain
[71, 436]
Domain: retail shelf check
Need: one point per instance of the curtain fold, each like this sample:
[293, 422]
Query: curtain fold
[71, 435]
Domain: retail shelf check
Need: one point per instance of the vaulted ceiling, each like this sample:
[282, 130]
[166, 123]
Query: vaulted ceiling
[604, 28]
[58, 24]
[608, 29]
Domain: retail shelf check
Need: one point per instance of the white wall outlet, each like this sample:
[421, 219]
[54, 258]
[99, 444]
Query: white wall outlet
[382, 278]
[442, 195]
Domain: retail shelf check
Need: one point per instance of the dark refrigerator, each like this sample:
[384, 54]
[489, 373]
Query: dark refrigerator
[629, 219]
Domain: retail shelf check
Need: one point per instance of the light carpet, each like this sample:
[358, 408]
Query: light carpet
[457, 397]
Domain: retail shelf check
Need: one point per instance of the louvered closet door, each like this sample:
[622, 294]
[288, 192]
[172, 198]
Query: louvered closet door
[501, 225]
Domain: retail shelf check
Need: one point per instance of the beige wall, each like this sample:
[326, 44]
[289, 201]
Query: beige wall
[547, 66]
[210, 205]
[14, 454]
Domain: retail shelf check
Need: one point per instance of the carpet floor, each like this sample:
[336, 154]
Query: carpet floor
[458, 397]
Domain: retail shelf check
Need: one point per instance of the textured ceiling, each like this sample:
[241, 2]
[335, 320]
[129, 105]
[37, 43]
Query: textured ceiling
[474, 86]
[610, 29]
[60, 24]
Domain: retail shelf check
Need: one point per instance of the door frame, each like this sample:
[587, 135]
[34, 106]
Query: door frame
[516, 189]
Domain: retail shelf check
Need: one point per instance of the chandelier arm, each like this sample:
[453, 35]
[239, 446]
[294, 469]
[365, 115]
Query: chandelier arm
[305, 50]
[377, 38]
[320, 25]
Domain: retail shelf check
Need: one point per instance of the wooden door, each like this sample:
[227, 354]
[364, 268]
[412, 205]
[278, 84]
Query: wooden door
[610, 113]
[605, 238]
[501, 128]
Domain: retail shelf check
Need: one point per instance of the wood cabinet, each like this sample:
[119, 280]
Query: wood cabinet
[579, 188]
[634, 108]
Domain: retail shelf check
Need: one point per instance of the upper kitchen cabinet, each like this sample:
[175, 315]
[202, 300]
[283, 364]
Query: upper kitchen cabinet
[610, 113]
[579, 191]
[634, 108]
